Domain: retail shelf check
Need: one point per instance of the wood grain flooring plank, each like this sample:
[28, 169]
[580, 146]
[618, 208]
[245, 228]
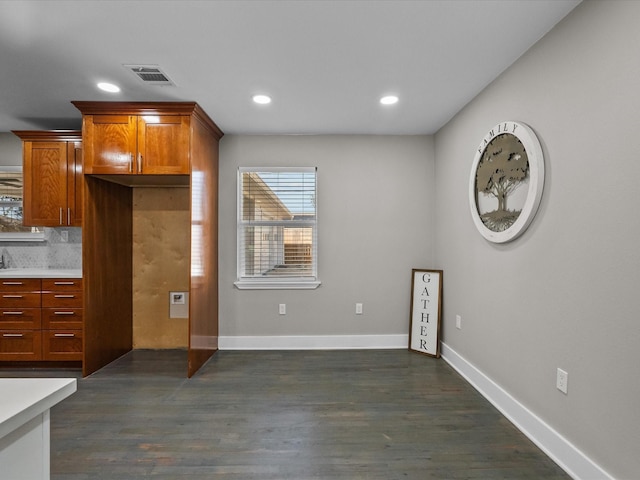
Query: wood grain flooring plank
[302, 415]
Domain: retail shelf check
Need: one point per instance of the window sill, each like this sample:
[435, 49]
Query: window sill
[272, 284]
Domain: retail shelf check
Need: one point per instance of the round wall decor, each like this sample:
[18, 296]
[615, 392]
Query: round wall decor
[506, 181]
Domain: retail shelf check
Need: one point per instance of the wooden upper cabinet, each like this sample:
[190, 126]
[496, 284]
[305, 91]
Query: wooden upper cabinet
[151, 143]
[52, 172]
[109, 144]
[163, 144]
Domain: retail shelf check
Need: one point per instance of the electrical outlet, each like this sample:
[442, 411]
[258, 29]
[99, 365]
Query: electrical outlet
[282, 308]
[64, 236]
[458, 322]
[562, 381]
[358, 309]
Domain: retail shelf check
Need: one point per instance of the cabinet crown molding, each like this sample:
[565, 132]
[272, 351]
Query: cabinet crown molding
[149, 108]
[49, 135]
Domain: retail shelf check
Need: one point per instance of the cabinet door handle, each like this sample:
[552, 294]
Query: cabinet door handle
[68, 216]
[131, 163]
[12, 283]
[64, 283]
[12, 296]
[139, 162]
[63, 313]
[15, 335]
[64, 335]
[12, 313]
[64, 296]
[61, 216]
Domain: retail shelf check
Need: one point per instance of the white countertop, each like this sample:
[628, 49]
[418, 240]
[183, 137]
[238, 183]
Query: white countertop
[23, 399]
[41, 273]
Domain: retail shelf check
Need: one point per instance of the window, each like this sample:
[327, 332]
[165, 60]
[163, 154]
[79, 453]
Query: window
[11, 228]
[277, 228]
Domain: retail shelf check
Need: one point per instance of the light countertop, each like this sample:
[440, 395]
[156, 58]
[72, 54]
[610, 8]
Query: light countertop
[23, 399]
[41, 273]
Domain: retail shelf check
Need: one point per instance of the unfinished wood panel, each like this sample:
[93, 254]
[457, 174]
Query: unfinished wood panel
[107, 272]
[203, 306]
[160, 265]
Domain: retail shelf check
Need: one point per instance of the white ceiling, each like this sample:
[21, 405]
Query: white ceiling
[325, 63]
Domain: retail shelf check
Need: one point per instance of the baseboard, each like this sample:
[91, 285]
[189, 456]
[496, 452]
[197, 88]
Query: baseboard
[559, 449]
[313, 342]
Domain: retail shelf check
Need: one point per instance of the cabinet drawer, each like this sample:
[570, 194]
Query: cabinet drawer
[20, 285]
[19, 300]
[61, 318]
[62, 345]
[20, 318]
[62, 284]
[20, 345]
[58, 300]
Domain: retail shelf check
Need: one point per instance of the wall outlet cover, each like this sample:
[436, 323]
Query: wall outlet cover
[562, 381]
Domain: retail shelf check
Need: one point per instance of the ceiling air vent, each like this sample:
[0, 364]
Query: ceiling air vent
[150, 74]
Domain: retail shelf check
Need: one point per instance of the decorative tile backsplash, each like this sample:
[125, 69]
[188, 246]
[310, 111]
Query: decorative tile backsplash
[52, 253]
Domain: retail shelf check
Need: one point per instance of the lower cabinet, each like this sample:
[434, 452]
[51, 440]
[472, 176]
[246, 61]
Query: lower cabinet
[41, 319]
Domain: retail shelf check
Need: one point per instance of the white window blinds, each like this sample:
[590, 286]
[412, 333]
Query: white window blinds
[277, 224]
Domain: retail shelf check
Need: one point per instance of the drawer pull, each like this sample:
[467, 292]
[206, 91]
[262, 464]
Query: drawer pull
[12, 313]
[12, 296]
[64, 313]
[64, 296]
[16, 335]
[12, 283]
[64, 335]
[64, 283]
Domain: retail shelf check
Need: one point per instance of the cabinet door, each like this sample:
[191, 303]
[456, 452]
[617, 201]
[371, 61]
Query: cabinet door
[163, 144]
[53, 318]
[20, 345]
[45, 184]
[62, 345]
[109, 144]
[75, 184]
[20, 318]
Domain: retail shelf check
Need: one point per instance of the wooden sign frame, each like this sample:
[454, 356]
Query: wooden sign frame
[426, 311]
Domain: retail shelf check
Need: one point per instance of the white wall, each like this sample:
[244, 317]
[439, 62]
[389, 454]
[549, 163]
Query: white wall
[565, 294]
[10, 150]
[375, 215]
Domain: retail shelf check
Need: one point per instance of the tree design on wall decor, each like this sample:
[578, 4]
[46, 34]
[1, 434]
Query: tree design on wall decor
[503, 168]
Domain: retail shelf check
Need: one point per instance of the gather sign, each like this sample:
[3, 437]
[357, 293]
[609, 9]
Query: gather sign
[426, 300]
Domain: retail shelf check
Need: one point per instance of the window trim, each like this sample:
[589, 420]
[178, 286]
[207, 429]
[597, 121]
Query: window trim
[273, 283]
[35, 234]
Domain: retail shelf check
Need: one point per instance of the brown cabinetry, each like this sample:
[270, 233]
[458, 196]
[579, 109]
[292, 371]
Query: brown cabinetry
[154, 144]
[145, 144]
[20, 319]
[52, 169]
[41, 319]
[62, 319]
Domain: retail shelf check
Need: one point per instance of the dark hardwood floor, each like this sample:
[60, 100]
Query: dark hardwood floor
[303, 415]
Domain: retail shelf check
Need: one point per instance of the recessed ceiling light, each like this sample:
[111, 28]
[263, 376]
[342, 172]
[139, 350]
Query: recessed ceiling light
[389, 100]
[262, 99]
[108, 87]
